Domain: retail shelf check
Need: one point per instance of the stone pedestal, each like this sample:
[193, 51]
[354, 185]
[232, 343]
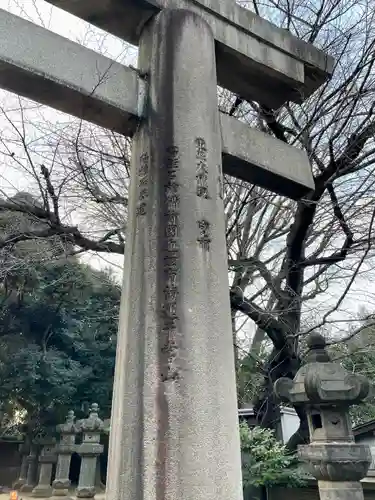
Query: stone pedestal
[47, 458]
[327, 391]
[65, 449]
[32, 462]
[99, 486]
[174, 429]
[89, 451]
[22, 480]
[344, 490]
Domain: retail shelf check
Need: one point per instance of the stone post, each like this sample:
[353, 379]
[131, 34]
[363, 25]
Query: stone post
[65, 449]
[32, 461]
[47, 458]
[174, 428]
[327, 391]
[24, 450]
[89, 451]
[99, 486]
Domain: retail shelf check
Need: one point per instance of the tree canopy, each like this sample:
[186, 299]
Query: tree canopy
[58, 326]
[266, 462]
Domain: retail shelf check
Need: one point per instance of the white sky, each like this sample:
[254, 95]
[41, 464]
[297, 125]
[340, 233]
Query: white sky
[64, 24]
[77, 30]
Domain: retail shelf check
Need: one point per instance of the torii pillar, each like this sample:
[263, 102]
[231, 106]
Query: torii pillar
[174, 429]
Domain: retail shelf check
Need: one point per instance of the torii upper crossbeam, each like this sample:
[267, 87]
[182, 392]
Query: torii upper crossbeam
[254, 58]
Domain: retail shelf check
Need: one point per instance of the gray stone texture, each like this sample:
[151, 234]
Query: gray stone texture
[47, 458]
[256, 157]
[64, 449]
[80, 82]
[24, 450]
[31, 477]
[89, 450]
[344, 490]
[98, 477]
[254, 58]
[327, 391]
[174, 429]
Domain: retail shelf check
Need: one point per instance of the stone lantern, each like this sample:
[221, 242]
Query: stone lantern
[47, 458]
[32, 469]
[326, 391]
[65, 450]
[89, 450]
[24, 450]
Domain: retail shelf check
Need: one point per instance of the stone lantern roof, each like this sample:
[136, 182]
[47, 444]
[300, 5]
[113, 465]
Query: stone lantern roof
[92, 424]
[321, 382]
[327, 391]
[68, 427]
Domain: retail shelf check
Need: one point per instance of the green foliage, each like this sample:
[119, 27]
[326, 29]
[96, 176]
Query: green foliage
[58, 326]
[358, 356]
[362, 362]
[265, 461]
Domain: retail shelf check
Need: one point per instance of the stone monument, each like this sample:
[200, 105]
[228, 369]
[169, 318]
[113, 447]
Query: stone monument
[31, 476]
[89, 450]
[65, 448]
[174, 428]
[327, 391]
[24, 450]
[47, 458]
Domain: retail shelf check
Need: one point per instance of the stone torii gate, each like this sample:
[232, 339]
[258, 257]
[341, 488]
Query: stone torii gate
[174, 430]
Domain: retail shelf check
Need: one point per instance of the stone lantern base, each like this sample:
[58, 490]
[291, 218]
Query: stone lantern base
[42, 491]
[86, 492]
[336, 461]
[17, 485]
[340, 490]
[61, 489]
[27, 488]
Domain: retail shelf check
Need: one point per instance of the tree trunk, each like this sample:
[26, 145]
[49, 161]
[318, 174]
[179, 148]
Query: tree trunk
[280, 363]
[302, 435]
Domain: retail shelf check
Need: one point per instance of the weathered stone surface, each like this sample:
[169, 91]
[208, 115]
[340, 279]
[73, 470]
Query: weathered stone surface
[340, 490]
[256, 157]
[24, 450]
[336, 462]
[254, 58]
[31, 478]
[327, 391]
[90, 449]
[23, 474]
[81, 82]
[174, 429]
[47, 458]
[65, 449]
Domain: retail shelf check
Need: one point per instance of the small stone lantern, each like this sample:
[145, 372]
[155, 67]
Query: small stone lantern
[47, 458]
[327, 391]
[24, 450]
[32, 469]
[89, 450]
[65, 450]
